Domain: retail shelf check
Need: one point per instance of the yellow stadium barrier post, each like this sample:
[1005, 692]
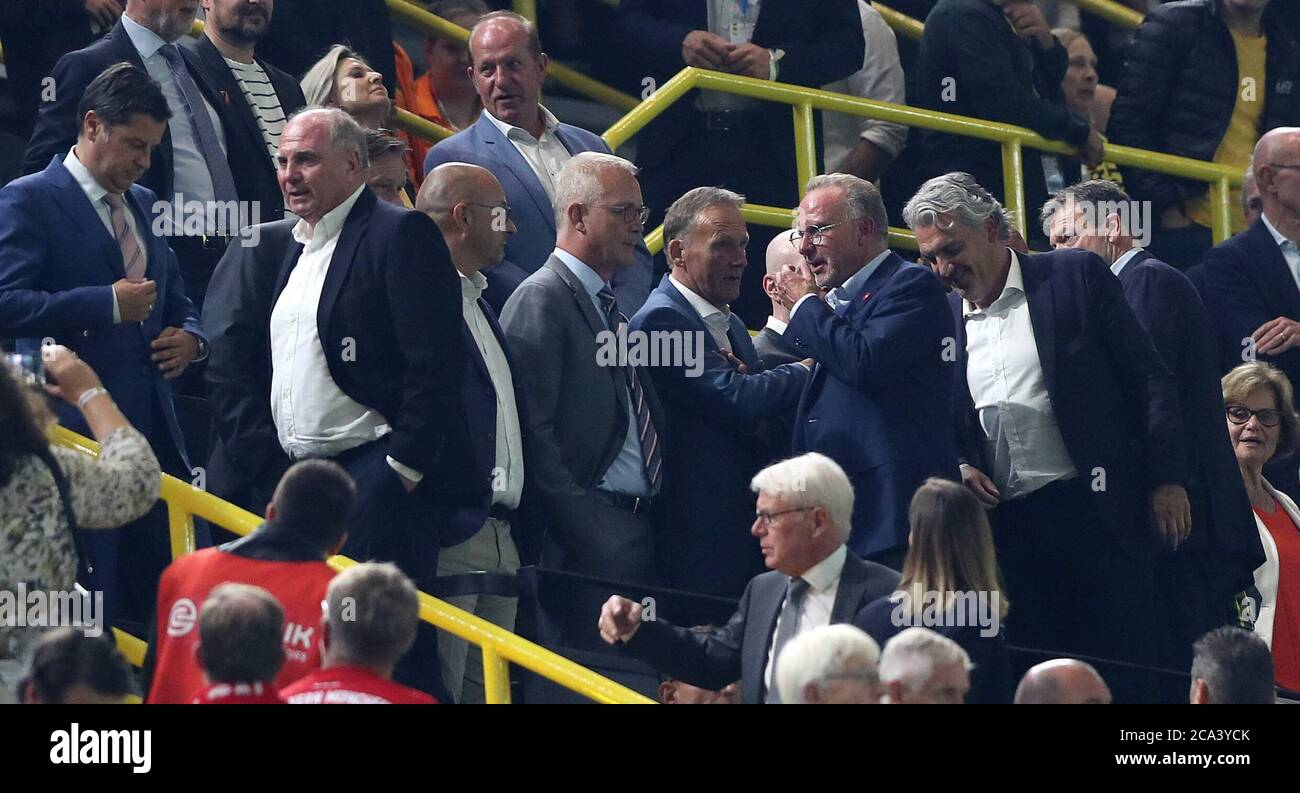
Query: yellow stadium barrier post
[1013, 182]
[805, 145]
[1222, 225]
[496, 678]
[1111, 11]
[901, 23]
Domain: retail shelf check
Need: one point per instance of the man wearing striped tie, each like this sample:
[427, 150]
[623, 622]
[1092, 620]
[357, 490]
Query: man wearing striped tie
[593, 451]
[81, 265]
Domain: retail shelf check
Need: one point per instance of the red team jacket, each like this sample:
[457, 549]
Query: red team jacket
[298, 585]
[351, 685]
[239, 694]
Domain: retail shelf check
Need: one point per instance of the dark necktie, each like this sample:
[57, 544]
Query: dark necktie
[223, 181]
[649, 438]
[795, 591]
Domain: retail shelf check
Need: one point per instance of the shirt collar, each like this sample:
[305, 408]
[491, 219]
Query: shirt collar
[472, 286]
[1015, 283]
[591, 281]
[776, 325]
[1278, 237]
[549, 123]
[702, 307]
[826, 573]
[93, 189]
[145, 41]
[328, 227]
[858, 280]
[1125, 259]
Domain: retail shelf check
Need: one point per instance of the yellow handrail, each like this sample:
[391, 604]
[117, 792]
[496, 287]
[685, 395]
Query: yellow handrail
[902, 24]
[499, 646]
[1111, 11]
[1012, 138]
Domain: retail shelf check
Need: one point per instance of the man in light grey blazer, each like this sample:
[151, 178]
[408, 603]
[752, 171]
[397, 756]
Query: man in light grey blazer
[594, 425]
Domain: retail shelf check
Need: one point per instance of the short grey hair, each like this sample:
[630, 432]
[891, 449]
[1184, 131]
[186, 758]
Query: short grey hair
[1102, 194]
[345, 133]
[240, 630]
[822, 653]
[373, 611]
[579, 182]
[682, 215]
[810, 480]
[959, 196]
[862, 197]
[912, 655]
[1236, 666]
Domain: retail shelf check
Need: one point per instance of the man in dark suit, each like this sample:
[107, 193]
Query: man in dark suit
[772, 347]
[1069, 425]
[1195, 583]
[803, 511]
[82, 266]
[1249, 283]
[721, 402]
[877, 403]
[594, 455]
[479, 480]
[367, 355]
[525, 146]
[723, 139]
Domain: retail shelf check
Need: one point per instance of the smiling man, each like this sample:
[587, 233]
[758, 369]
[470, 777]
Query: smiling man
[878, 403]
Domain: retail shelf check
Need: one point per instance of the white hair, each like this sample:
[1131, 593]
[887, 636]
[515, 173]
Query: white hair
[810, 480]
[912, 655]
[822, 653]
[579, 182]
[961, 199]
[861, 196]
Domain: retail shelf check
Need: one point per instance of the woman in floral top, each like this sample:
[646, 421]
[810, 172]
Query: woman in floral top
[36, 543]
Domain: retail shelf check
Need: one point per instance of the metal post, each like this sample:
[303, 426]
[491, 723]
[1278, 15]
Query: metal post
[805, 144]
[1013, 183]
[496, 677]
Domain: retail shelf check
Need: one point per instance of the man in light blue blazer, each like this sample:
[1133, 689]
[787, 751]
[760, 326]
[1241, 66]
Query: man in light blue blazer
[82, 265]
[525, 147]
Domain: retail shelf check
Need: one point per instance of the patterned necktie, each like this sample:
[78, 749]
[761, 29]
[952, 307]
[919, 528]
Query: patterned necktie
[223, 181]
[132, 255]
[794, 595]
[650, 454]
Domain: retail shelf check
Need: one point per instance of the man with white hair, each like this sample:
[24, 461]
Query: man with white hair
[832, 665]
[1068, 424]
[594, 455]
[802, 522]
[920, 667]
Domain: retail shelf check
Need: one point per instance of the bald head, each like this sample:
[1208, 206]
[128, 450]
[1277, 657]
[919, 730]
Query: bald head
[779, 254]
[469, 206]
[1063, 681]
[1277, 177]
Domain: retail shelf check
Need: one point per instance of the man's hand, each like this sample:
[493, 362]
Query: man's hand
[103, 13]
[1171, 513]
[1027, 19]
[1093, 150]
[739, 365]
[705, 50]
[135, 299]
[1276, 336]
[979, 484]
[174, 349]
[750, 60]
[794, 281]
[619, 618]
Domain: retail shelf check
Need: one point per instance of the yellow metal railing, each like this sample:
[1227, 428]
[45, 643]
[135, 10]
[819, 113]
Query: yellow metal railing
[1012, 138]
[500, 648]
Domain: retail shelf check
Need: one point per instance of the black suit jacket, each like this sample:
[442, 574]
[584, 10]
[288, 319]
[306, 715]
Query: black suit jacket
[773, 350]
[1223, 526]
[739, 649]
[254, 172]
[57, 124]
[1115, 401]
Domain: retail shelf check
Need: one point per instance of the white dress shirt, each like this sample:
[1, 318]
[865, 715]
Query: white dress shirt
[509, 454]
[880, 78]
[1117, 266]
[1005, 375]
[715, 319]
[823, 584]
[545, 156]
[313, 417]
[1288, 247]
[777, 325]
[96, 192]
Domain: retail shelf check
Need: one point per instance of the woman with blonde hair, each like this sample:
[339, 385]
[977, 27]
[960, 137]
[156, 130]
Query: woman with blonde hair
[1263, 426]
[950, 584]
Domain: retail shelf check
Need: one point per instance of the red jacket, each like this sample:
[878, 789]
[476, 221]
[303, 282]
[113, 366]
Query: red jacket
[239, 694]
[351, 685]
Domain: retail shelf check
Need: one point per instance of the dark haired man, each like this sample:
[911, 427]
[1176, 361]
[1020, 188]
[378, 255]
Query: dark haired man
[239, 646]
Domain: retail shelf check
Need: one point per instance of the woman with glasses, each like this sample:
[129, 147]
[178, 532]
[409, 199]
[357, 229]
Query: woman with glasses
[1263, 425]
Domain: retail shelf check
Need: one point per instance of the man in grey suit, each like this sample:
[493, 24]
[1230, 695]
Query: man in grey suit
[593, 453]
[804, 513]
[773, 348]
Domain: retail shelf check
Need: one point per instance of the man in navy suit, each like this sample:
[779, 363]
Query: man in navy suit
[803, 511]
[479, 479]
[1069, 427]
[81, 265]
[1251, 282]
[1195, 582]
[525, 146]
[717, 394]
[878, 400]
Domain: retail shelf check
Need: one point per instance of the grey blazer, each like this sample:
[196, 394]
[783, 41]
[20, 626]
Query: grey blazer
[577, 415]
[738, 650]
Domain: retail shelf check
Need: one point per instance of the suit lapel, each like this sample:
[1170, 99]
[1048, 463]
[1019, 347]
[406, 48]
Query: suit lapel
[1274, 273]
[585, 306]
[345, 254]
[72, 200]
[221, 87]
[499, 148]
[761, 625]
[848, 597]
[1042, 315]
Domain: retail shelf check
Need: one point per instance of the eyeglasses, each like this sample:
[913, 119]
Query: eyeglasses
[1240, 414]
[768, 517]
[818, 234]
[628, 211]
